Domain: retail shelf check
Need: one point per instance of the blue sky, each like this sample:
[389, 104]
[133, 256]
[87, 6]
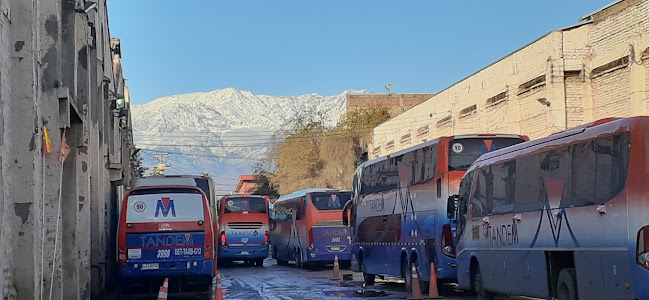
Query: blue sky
[298, 47]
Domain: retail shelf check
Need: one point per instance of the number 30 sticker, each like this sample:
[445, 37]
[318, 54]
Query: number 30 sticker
[458, 148]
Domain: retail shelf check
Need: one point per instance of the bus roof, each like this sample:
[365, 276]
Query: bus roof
[243, 195]
[435, 141]
[302, 193]
[164, 181]
[602, 126]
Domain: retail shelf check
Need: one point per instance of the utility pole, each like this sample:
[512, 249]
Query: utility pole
[162, 165]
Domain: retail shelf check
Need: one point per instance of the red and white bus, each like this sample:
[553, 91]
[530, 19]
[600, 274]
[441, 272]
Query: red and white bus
[562, 217]
[243, 224]
[165, 231]
[307, 228]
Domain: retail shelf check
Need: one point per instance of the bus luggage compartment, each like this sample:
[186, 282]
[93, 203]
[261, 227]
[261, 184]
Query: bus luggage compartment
[171, 253]
[329, 241]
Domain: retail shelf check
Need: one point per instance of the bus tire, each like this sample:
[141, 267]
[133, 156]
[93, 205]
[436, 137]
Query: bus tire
[406, 272]
[478, 284]
[298, 260]
[367, 277]
[259, 262]
[567, 285]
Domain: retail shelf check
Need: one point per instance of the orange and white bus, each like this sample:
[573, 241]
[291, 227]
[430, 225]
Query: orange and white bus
[307, 228]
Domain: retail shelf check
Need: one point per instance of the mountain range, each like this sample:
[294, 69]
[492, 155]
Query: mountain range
[223, 132]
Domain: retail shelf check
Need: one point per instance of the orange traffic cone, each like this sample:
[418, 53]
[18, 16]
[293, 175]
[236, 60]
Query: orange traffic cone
[162, 294]
[416, 289]
[433, 293]
[218, 295]
[336, 275]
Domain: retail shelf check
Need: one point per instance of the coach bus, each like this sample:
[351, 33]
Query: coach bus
[165, 231]
[307, 228]
[243, 224]
[562, 217]
[398, 213]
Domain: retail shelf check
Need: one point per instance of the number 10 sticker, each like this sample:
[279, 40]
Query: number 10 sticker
[139, 207]
[458, 148]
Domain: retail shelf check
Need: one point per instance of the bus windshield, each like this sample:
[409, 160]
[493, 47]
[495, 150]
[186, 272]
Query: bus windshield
[330, 201]
[165, 205]
[463, 152]
[243, 204]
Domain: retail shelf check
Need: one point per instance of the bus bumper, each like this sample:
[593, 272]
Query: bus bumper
[447, 269]
[314, 256]
[196, 267]
[243, 253]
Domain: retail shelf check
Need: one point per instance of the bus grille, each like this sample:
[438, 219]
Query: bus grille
[244, 225]
[329, 223]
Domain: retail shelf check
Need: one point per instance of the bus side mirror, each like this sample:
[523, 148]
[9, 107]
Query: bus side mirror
[346, 213]
[451, 205]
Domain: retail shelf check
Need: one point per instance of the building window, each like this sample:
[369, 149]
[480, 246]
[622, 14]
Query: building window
[422, 131]
[532, 85]
[500, 98]
[468, 111]
[612, 66]
[389, 145]
[405, 138]
[444, 121]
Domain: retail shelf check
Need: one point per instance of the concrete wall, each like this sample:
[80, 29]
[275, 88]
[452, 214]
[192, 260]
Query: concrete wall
[569, 77]
[56, 70]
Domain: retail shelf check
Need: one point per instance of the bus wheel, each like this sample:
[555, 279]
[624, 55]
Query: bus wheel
[259, 262]
[478, 285]
[367, 277]
[298, 260]
[567, 285]
[406, 270]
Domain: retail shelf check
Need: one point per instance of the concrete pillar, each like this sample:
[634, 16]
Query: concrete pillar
[638, 86]
[69, 258]
[21, 160]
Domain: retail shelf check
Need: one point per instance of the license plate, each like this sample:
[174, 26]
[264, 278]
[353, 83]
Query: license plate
[335, 248]
[152, 266]
[245, 252]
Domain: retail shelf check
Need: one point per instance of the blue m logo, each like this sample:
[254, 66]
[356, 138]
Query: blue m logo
[165, 205]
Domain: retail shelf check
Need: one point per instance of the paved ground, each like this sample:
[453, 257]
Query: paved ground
[287, 282]
[272, 282]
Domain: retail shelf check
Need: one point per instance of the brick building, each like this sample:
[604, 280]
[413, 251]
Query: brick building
[248, 183]
[397, 103]
[597, 68]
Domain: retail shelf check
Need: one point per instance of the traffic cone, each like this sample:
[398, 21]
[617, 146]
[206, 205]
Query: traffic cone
[162, 294]
[218, 295]
[433, 293]
[336, 275]
[416, 289]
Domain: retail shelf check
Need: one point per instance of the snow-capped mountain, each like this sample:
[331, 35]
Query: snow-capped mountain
[223, 132]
